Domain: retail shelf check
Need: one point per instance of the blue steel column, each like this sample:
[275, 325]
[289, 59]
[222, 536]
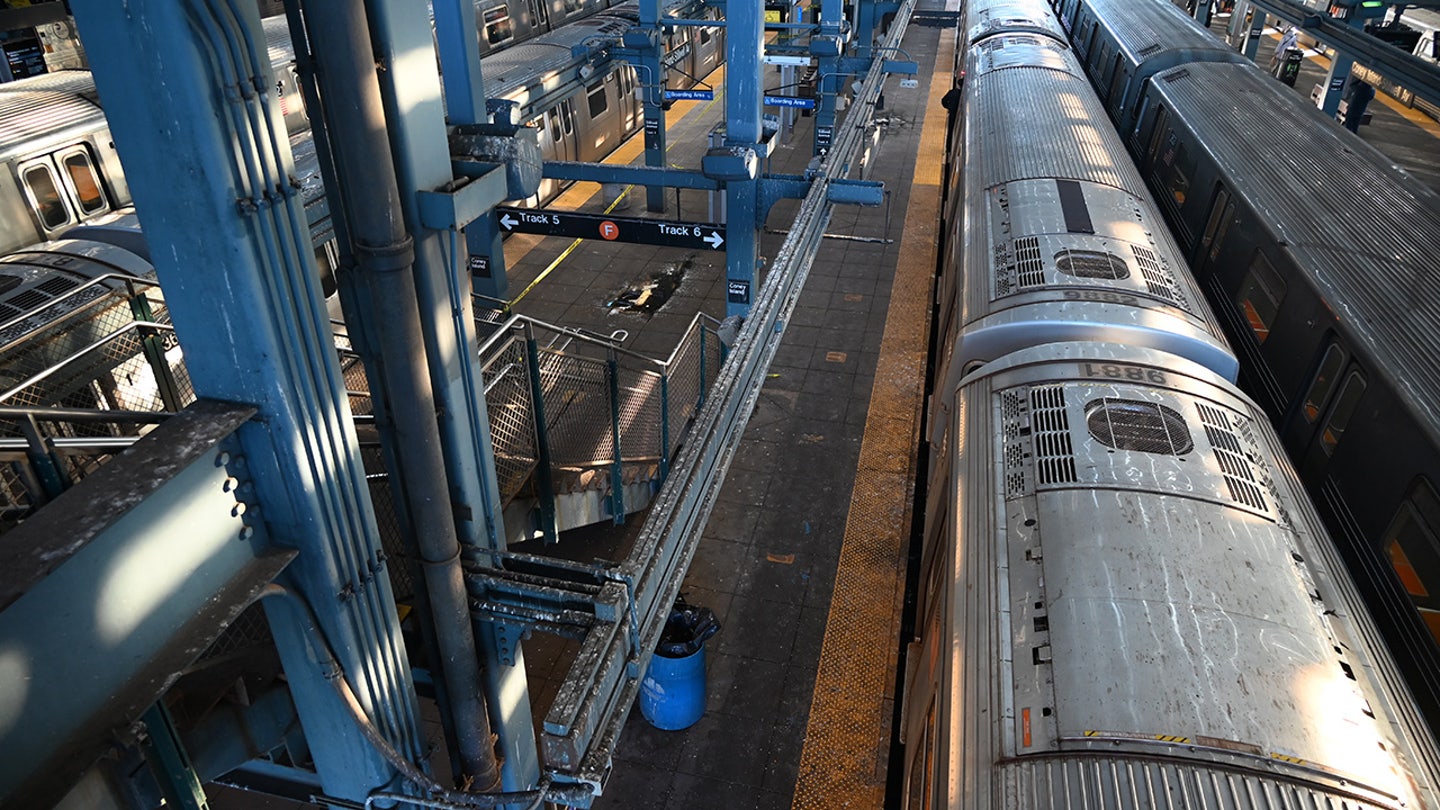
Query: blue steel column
[1257, 33]
[1334, 86]
[652, 78]
[204, 145]
[831, 19]
[1202, 12]
[457, 36]
[744, 53]
[864, 27]
[422, 161]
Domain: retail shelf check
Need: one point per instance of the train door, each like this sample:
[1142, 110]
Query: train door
[1412, 544]
[600, 121]
[1315, 428]
[539, 16]
[1217, 226]
[63, 188]
[1114, 93]
[707, 52]
[557, 142]
[630, 109]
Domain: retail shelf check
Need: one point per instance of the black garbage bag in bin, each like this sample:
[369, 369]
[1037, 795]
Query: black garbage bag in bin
[686, 630]
[672, 692]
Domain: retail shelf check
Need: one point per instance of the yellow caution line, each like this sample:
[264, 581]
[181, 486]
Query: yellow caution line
[843, 760]
[519, 246]
[1410, 114]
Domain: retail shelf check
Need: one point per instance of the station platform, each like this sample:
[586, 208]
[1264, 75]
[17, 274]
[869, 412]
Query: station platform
[1401, 132]
[804, 557]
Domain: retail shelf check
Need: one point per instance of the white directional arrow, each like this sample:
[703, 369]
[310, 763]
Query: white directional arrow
[715, 240]
[508, 223]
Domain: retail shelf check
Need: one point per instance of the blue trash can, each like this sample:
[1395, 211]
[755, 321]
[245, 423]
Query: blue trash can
[672, 693]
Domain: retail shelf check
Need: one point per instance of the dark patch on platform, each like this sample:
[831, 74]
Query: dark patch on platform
[650, 296]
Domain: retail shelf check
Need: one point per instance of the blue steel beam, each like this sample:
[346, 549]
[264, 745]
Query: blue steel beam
[744, 89]
[187, 91]
[418, 139]
[652, 78]
[828, 47]
[114, 588]
[638, 175]
[456, 35]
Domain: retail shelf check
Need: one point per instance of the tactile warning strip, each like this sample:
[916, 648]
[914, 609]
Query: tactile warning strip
[847, 739]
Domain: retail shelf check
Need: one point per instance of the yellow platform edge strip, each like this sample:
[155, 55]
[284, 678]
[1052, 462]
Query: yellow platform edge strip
[843, 762]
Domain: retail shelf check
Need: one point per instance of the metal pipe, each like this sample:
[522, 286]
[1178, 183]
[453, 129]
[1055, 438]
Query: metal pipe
[276, 227]
[384, 257]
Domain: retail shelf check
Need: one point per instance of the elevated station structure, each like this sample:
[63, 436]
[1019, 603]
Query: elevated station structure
[259, 492]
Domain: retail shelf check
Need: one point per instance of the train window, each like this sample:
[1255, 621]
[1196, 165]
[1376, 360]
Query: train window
[1217, 215]
[85, 182]
[1345, 405]
[498, 26]
[1225, 219]
[554, 118]
[1129, 424]
[572, 6]
[567, 117]
[704, 36]
[1116, 79]
[1091, 264]
[1260, 295]
[1324, 383]
[1162, 117]
[1178, 182]
[44, 195]
[1413, 545]
[598, 103]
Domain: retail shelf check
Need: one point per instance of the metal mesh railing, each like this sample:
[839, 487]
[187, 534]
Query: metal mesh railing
[83, 373]
[96, 354]
[512, 425]
[649, 405]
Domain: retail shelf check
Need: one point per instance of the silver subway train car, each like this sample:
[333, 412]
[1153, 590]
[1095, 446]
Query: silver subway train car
[1127, 602]
[1125, 597]
[1054, 235]
[1318, 255]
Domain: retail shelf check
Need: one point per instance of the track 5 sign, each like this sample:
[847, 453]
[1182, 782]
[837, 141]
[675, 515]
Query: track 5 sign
[693, 235]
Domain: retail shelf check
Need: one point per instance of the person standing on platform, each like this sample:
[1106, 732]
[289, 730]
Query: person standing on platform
[1358, 99]
[1290, 39]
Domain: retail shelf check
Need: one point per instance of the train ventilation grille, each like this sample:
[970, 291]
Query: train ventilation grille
[37, 306]
[1012, 418]
[1230, 454]
[1054, 455]
[58, 286]
[1029, 266]
[1150, 49]
[1158, 280]
[1004, 273]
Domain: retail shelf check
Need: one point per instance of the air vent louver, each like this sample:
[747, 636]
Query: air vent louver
[1159, 281]
[1230, 455]
[1054, 455]
[1029, 266]
[1012, 415]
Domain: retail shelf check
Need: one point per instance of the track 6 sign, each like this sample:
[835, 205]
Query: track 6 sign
[694, 235]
